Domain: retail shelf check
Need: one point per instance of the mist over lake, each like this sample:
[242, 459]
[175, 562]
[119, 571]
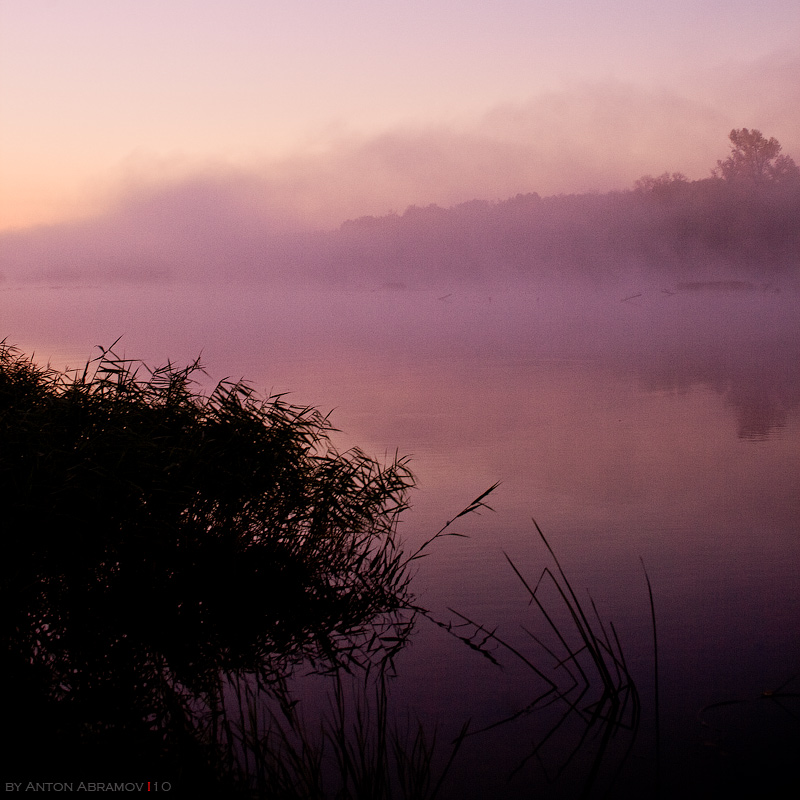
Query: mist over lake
[666, 232]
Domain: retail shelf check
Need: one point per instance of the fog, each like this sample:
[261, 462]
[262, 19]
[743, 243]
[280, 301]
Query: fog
[680, 282]
[218, 227]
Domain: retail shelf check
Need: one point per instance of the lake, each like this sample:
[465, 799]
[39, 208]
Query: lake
[656, 426]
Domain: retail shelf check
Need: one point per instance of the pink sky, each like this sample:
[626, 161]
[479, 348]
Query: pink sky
[328, 110]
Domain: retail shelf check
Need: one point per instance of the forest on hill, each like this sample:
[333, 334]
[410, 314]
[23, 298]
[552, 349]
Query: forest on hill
[741, 223]
[744, 219]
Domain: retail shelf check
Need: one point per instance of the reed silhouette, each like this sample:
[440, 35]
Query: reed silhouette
[156, 538]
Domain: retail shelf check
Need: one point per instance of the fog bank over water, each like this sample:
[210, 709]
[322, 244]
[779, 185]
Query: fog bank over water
[669, 232]
[679, 283]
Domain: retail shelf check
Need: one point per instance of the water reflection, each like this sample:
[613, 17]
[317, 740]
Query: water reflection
[664, 426]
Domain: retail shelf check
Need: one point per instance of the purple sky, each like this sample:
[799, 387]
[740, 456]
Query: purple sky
[317, 111]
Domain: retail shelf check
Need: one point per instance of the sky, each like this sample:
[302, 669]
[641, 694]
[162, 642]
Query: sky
[315, 111]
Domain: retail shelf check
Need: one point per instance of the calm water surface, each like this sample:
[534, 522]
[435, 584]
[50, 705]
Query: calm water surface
[665, 427]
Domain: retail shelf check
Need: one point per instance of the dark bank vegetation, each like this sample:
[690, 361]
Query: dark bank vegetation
[156, 540]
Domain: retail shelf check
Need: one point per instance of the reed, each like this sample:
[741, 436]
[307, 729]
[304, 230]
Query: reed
[157, 537]
[580, 667]
[356, 749]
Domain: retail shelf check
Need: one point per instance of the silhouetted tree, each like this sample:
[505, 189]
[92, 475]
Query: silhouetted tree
[755, 159]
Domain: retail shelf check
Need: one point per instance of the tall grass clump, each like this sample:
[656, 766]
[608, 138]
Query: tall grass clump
[156, 538]
[351, 747]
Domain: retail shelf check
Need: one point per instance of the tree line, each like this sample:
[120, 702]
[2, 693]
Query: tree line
[743, 217]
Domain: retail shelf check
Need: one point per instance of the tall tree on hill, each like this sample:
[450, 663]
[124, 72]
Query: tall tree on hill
[756, 160]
